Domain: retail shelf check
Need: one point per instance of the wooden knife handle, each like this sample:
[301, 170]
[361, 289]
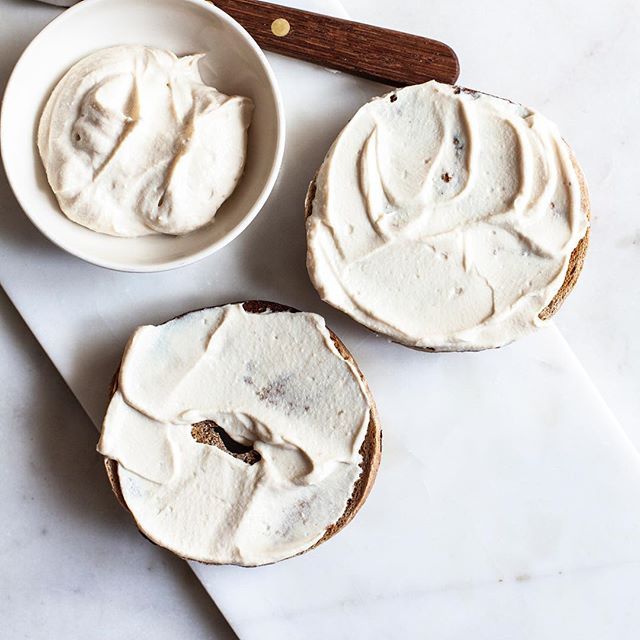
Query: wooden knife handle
[383, 55]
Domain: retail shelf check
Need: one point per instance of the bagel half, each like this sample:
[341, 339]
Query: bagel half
[574, 269]
[205, 433]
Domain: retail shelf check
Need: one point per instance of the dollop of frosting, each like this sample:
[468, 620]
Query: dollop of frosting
[272, 381]
[445, 218]
[134, 143]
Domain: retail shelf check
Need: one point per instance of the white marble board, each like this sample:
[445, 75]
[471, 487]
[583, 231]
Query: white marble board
[508, 492]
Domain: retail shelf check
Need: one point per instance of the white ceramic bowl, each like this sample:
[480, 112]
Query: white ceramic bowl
[234, 64]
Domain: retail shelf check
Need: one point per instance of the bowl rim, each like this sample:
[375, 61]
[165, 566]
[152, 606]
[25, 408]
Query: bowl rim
[158, 265]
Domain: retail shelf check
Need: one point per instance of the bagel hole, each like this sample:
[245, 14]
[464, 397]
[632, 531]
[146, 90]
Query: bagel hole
[210, 433]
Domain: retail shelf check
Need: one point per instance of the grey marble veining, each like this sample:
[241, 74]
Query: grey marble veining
[507, 503]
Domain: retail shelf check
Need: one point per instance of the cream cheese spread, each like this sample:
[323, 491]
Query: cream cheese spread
[134, 143]
[272, 381]
[445, 218]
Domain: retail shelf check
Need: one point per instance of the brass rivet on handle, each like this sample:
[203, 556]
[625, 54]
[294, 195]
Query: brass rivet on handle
[280, 27]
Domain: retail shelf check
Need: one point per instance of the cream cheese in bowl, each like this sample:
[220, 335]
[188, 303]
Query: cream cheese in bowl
[234, 64]
[135, 143]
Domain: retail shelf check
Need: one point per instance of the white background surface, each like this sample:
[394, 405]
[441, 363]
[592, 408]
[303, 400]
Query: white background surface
[71, 565]
[572, 62]
[576, 61]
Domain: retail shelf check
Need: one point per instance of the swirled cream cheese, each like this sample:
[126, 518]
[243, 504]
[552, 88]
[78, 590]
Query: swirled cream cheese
[134, 143]
[445, 218]
[273, 381]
